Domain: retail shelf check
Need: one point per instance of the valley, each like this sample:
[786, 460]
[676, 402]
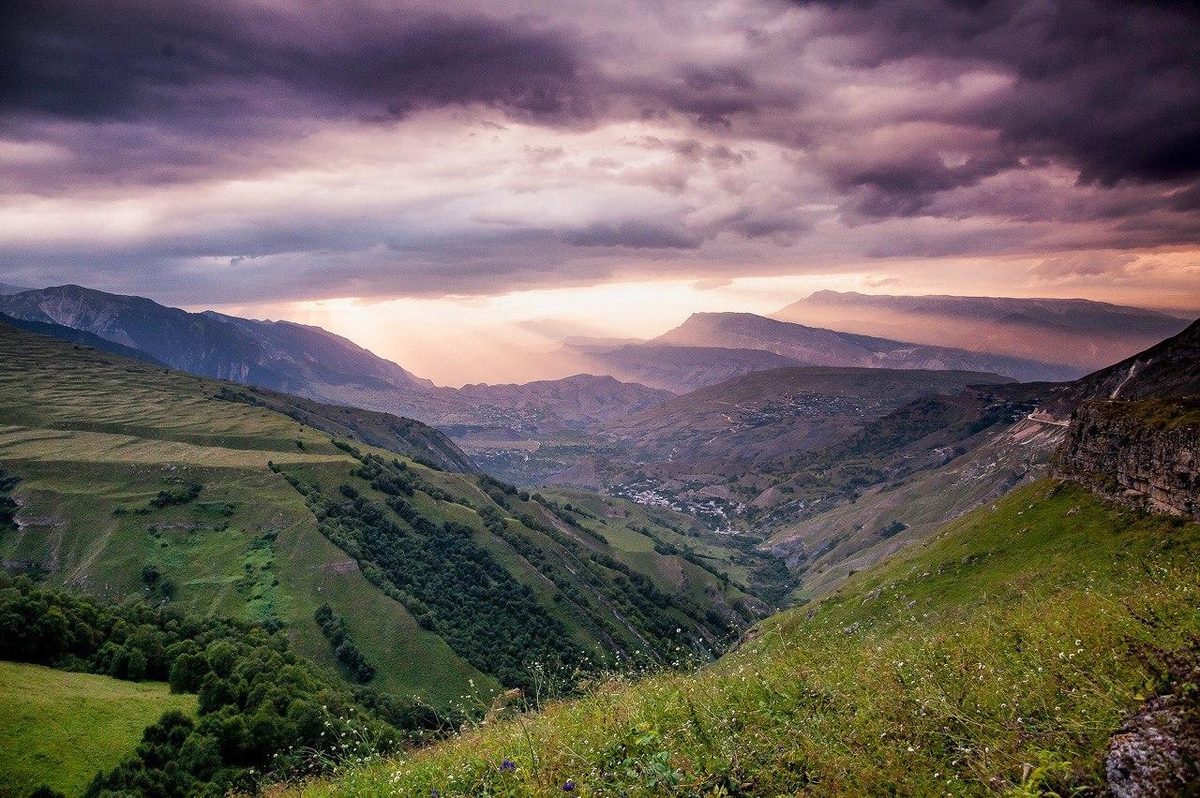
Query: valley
[116, 466]
[528, 399]
[562, 534]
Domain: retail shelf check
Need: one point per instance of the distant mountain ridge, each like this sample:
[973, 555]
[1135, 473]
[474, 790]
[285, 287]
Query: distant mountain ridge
[1168, 370]
[1081, 333]
[817, 346]
[315, 363]
[575, 398]
[279, 355]
[769, 414]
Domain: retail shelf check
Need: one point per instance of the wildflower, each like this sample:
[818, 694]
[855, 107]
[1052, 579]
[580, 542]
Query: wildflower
[569, 785]
[508, 766]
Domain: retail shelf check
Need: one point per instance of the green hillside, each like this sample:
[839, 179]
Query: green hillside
[58, 729]
[997, 658]
[134, 480]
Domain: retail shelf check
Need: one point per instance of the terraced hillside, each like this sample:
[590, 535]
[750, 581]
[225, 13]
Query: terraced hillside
[1000, 658]
[130, 479]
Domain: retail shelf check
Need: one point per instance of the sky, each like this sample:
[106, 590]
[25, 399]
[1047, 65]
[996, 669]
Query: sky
[460, 184]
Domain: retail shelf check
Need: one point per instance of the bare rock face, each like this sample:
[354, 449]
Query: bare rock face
[1157, 753]
[1144, 454]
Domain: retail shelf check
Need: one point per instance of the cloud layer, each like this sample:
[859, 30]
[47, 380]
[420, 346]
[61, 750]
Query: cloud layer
[273, 150]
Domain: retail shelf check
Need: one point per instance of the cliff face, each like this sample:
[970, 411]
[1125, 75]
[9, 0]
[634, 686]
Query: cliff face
[1145, 454]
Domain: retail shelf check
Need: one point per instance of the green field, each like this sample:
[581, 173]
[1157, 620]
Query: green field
[997, 658]
[124, 467]
[59, 728]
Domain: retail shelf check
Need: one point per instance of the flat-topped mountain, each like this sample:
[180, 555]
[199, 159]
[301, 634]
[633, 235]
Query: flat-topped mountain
[679, 369]
[1079, 333]
[822, 347]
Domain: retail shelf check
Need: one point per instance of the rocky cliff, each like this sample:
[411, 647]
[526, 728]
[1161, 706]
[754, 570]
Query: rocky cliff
[1142, 453]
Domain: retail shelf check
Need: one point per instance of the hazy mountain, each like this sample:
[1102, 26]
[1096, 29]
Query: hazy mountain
[679, 369]
[822, 347]
[280, 355]
[535, 410]
[6, 289]
[312, 362]
[581, 398]
[1168, 370]
[1079, 333]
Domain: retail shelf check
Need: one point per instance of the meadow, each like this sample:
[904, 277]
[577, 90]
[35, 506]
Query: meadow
[997, 658]
[58, 729]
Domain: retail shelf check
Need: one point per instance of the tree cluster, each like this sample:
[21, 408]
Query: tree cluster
[333, 626]
[450, 583]
[262, 708]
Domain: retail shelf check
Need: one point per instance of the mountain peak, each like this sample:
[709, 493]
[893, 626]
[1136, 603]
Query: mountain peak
[288, 357]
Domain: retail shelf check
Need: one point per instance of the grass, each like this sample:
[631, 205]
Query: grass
[59, 728]
[94, 439]
[997, 658]
[1153, 413]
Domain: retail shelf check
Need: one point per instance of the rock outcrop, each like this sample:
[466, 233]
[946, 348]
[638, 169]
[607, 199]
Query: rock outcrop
[1144, 453]
[1156, 754]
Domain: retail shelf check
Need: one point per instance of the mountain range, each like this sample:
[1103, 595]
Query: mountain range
[765, 415]
[678, 369]
[373, 549]
[1081, 334]
[815, 346]
[578, 429]
[279, 355]
[259, 506]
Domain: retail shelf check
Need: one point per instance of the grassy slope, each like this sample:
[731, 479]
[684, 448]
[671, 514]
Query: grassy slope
[999, 657]
[853, 536]
[94, 438]
[90, 434]
[60, 728]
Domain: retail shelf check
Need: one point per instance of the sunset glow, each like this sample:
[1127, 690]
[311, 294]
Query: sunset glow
[454, 185]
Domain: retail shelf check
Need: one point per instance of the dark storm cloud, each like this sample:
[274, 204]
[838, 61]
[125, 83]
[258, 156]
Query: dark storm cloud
[931, 127]
[1112, 87]
[908, 187]
[222, 64]
[150, 92]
